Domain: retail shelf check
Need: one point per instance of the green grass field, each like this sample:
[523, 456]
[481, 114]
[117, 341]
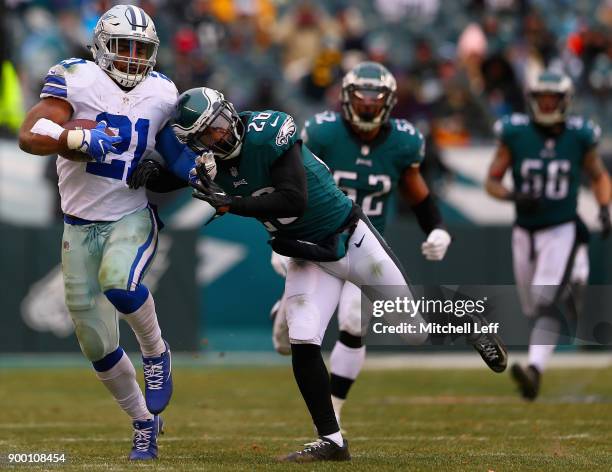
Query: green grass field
[242, 419]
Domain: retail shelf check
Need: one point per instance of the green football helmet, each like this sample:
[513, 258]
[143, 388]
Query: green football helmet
[369, 93]
[549, 83]
[206, 121]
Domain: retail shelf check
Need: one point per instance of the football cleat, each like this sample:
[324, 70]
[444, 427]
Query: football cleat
[145, 439]
[321, 450]
[158, 380]
[491, 348]
[527, 380]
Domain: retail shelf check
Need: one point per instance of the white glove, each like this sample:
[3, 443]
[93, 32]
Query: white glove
[436, 245]
[208, 159]
[279, 264]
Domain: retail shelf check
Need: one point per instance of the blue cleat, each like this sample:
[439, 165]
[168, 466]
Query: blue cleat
[145, 439]
[158, 381]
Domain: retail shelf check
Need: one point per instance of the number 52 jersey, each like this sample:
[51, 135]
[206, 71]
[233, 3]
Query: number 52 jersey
[367, 172]
[98, 191]
[547, 167]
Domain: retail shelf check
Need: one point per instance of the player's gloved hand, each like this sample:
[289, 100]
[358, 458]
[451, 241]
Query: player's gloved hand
[604, 219]
[94, 142]
[145, 171]
[436, 245]
[207, 159]
[525, 202]
[205, 189]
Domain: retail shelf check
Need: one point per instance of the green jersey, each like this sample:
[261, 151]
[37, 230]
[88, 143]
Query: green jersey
[268, 135]
[369, 173]
[547, 166]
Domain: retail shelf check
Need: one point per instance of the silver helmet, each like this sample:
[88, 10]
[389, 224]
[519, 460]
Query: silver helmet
[125, 44]
[550, 83]
[372, 83]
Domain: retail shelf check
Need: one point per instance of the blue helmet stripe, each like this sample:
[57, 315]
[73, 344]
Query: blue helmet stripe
[132, 18]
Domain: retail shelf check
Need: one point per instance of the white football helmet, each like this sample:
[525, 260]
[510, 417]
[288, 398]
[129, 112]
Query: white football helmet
[550, 83]
[130, 27]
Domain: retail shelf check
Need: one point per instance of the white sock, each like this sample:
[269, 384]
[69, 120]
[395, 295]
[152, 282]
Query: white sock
[347, 361]
[146, 328]
[337, 404]
[336, 437]
[120, 380]
[542, 342]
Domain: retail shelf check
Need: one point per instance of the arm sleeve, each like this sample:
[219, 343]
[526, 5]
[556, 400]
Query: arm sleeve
[165, 182]
[178, 157]
[428, 215]
[290, 195]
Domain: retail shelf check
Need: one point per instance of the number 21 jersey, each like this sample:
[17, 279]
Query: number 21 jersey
[98, 191]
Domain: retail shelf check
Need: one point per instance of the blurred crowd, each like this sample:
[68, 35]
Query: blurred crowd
[459, 64]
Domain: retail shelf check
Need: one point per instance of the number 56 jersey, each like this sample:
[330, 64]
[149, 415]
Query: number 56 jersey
[547, 167]
[98, 191]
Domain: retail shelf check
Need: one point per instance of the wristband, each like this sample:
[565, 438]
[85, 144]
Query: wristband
[78, 139]
[46, 127]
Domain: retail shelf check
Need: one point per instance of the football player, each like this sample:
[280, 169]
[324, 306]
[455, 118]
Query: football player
[546, 152]
[110, 231]
[264, 171]
[370, 155]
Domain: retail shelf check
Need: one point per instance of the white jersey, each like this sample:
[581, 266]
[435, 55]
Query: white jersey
[98, 191]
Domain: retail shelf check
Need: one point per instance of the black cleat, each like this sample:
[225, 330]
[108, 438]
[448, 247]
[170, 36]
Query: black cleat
[492, 350]
[527, 380]
[321, 450]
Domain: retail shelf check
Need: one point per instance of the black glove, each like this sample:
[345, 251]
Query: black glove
[207, 190]
[525, 202]
[604, 219]
[147, 170]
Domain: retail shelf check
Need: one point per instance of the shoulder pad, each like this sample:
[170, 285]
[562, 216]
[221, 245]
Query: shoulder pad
[70, 73]
[505, 126]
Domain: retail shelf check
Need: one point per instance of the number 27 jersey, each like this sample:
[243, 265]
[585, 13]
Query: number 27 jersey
[98, 191]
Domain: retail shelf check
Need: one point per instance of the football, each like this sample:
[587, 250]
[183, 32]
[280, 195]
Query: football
[78, 156]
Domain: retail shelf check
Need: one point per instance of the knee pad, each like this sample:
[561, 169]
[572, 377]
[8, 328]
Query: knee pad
[78, 296]
[303, 320]
[350, 320]
[126, 301]
[95, 338]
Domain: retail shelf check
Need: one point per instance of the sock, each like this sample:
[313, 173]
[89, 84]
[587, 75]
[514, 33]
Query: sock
[337, 404]
[120, 380]
[543, 341]
[144, 323]
[346, 361]
[335, 437]
[313, 381]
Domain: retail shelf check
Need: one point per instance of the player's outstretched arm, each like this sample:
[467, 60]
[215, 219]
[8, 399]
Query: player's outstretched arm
[57, 112]
[416, 192]
[501, 163]
[602, 189]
